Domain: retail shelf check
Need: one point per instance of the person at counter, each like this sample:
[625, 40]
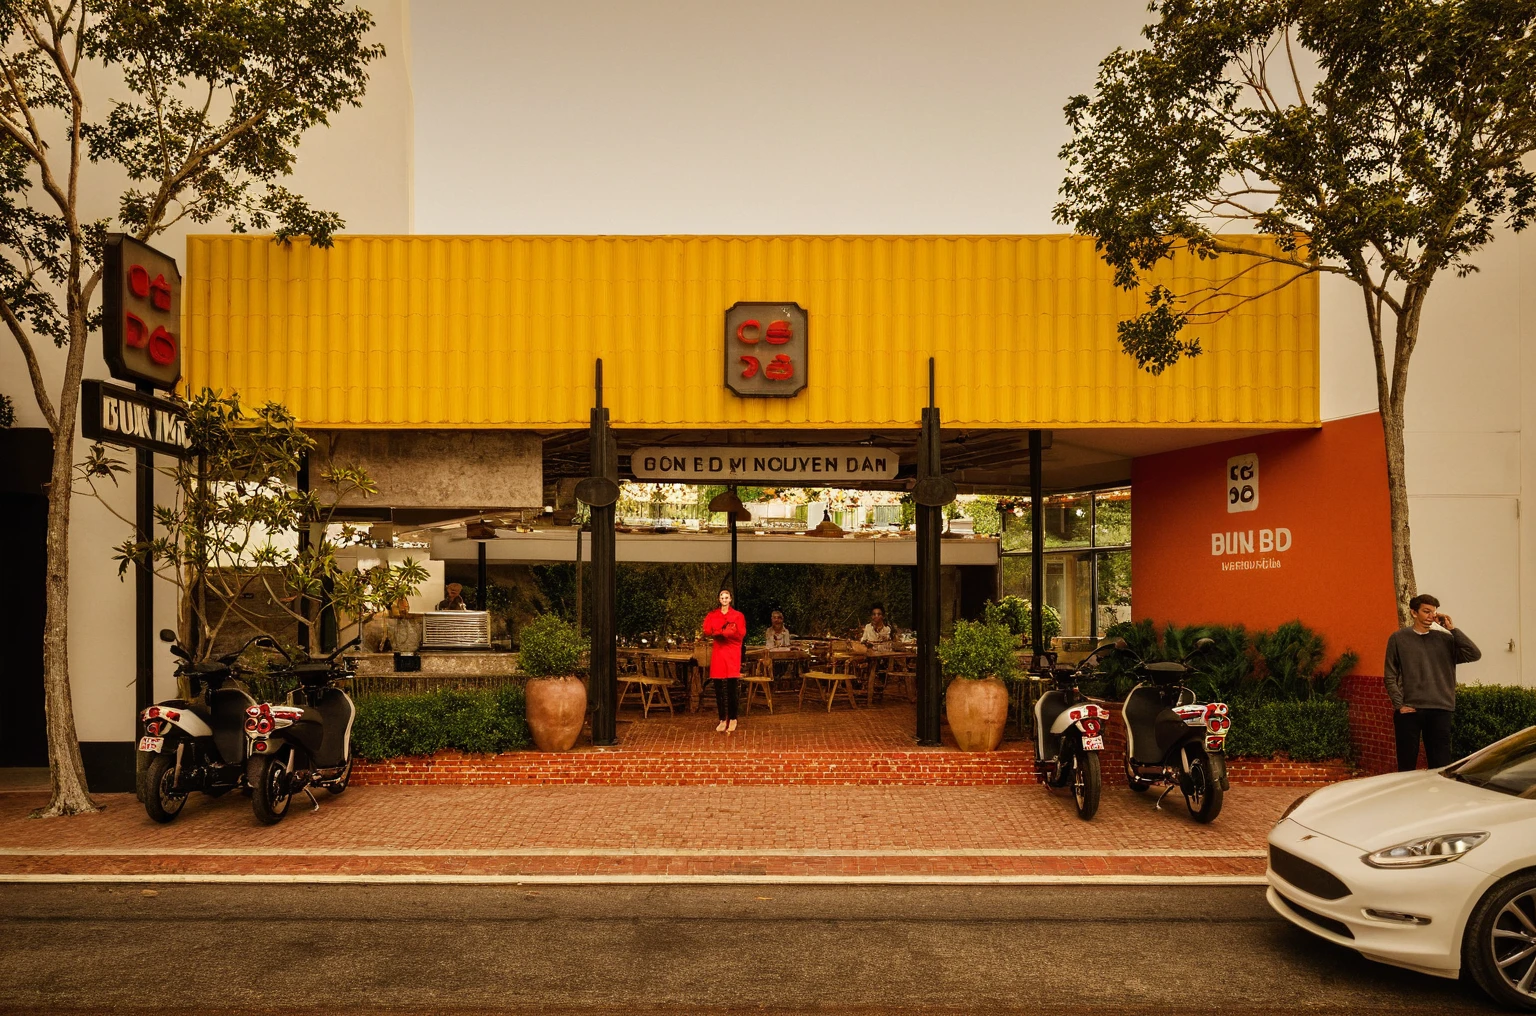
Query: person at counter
[454, 600]
[877, 632]
[778, 635]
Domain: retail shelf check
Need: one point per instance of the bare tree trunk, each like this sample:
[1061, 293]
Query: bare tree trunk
[66, 769]
[1403, 584]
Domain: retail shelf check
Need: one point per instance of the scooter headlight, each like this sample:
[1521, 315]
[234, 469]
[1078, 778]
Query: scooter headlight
[1423, 853]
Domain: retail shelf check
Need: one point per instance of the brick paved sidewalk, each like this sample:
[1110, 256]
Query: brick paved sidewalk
[655, 831]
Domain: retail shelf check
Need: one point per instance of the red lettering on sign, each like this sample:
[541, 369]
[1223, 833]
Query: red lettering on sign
[780, 368]
[135, 331]
[779, 333]
[752, 366]
[160, 293]
[138, 280]
[162, 347]
[749, 332]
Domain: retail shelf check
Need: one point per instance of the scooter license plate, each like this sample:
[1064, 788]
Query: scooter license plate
[1093, 744]
[151, 743]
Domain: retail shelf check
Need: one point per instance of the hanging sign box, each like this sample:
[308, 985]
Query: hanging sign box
[122, 416]
[141, 313]
[786, 467]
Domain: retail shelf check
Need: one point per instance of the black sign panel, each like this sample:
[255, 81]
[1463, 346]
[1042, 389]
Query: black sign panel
[766, 349]
[122, 416]
[141, 313]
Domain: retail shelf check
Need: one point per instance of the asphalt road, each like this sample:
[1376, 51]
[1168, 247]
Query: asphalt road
[353, 949]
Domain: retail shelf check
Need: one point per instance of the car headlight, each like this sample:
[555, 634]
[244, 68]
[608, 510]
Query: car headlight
[1293, 806]
[1425, 852]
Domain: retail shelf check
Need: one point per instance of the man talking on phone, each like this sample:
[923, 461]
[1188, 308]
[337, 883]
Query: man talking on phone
[1421, 681]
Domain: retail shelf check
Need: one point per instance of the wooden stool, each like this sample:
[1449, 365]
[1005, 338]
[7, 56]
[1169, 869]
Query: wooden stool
[828, 684]
[761, 680]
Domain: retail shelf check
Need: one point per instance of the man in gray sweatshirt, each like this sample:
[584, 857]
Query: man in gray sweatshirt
[1421, 681]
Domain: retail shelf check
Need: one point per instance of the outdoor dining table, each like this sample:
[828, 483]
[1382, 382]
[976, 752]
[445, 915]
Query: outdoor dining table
[681, 666]
[794, 657]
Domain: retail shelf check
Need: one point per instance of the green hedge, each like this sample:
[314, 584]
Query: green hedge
[1308, 731]
[479, 722]
[1487, 713]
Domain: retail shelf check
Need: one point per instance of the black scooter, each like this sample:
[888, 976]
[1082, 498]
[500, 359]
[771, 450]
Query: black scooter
[1173, 740]
[305, 742]
[197, 743]
[1069, 734]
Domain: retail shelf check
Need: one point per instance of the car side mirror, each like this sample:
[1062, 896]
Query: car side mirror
[166, 635]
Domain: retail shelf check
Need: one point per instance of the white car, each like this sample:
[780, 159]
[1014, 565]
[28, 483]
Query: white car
[1434, 871]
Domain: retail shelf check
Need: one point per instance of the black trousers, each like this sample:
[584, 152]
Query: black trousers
[1434, 725]
[725, 697]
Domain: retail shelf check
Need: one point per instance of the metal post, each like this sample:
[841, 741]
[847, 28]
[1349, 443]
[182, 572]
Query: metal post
[930, 521]
[1037, 541]
[480, 582]
[304, 538]
[580, 599]
[603, 681]
[731, 525]
[144, 579]
[1093, 567]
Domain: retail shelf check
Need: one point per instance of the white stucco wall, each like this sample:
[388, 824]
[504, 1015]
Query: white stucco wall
[359, 167]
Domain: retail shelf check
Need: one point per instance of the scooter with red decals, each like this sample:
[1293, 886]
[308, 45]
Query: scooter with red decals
[1172, 739]
[1069, 733]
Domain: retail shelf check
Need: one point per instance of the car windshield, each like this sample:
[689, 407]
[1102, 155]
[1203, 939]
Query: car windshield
[1508, 766]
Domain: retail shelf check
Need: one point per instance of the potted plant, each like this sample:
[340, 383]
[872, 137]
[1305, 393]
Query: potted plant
[979, 656]
[550, 657]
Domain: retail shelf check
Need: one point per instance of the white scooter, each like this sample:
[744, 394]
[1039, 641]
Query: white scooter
[1172, 740]
[1069, 734]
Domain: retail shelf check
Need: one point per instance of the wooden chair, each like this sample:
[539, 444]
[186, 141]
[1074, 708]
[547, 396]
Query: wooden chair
[895, 673]
[840, 675]
[759, 679]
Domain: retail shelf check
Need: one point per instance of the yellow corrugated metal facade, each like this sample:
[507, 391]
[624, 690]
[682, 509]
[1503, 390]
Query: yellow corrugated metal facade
[502, 332]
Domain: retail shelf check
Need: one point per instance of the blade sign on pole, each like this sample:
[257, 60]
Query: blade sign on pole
[141, 313]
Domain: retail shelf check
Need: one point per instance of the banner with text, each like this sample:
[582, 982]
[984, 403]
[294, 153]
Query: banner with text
[789, 467]
[122, 416]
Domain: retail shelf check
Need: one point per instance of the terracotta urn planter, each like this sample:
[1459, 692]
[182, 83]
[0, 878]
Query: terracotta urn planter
[557, 708]
[977, 712]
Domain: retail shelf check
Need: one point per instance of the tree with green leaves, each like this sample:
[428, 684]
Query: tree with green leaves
[231, 537]
[201, 104]
[1380, 141]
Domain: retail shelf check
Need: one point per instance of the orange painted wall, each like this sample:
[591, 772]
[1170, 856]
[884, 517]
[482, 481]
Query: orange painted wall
[1327, 486]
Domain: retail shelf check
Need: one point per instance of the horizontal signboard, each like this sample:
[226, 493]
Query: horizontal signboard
[122, 416]
[790, 467]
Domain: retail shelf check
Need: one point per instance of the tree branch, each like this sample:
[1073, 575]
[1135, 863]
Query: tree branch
[34, 369]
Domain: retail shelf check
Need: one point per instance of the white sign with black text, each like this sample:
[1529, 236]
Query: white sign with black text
[787, 466]
[1243, 483]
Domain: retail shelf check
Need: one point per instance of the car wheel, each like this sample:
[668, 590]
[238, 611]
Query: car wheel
[1500, 945]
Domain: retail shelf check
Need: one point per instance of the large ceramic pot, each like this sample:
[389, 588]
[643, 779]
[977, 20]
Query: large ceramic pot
[557, 707]
[977, 712]
[404, 634]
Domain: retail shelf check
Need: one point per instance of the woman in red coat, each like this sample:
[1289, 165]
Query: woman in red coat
[727, 627]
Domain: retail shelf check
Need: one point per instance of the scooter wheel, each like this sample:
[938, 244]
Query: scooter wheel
[1133, 781]
[1204, 794]
[160, 802]
[269, 790]
[1086, 783]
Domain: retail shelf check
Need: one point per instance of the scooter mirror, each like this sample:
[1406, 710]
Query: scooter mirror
[1122, 644]
[166, 635]
[1205, 643]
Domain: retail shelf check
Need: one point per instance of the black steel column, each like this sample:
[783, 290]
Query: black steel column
[144, 579]
[931, 494]
[304, 537]
[480, 582]
[730, 522]
[603, 682]
[1037, 541]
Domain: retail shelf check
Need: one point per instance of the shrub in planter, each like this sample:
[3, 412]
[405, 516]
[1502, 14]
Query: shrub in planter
[1313, 730]
[1016, 613]
[1488, 713]
[979, 656]
[392, 726]
[550, 656]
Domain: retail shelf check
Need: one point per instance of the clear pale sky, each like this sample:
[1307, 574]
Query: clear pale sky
[699, 116]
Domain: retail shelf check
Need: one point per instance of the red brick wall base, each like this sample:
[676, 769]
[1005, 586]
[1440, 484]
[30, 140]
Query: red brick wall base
[707, 768]
[1370, 724]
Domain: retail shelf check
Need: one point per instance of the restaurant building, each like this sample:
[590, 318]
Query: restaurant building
[462, 369]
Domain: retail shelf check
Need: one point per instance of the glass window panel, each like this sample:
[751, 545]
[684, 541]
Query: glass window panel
[1069, 589]
[1016, 576]
[1066, 521]
[1114, 588]
[1112, 518]
[1016, 530]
